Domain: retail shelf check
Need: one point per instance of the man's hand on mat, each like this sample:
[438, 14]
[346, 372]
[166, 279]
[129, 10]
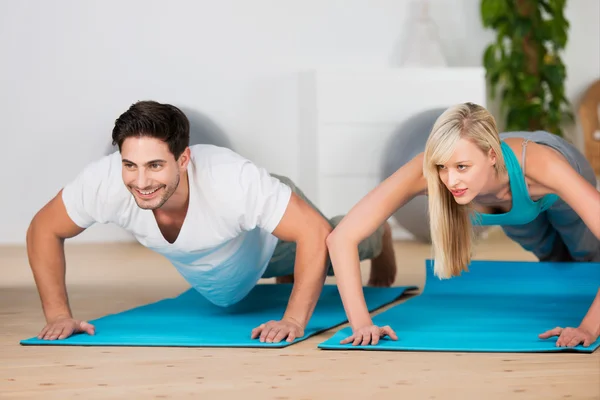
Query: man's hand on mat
[276, 331]
[570, 337]
[370, 335]
[63, 327]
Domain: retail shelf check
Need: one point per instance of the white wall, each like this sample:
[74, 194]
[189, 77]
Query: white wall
[69, 68]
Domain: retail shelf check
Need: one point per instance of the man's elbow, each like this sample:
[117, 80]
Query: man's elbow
[315, 234]
[31, 229]
[324, 229]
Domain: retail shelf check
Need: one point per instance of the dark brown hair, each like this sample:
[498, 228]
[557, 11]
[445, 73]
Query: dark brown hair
[150, 118]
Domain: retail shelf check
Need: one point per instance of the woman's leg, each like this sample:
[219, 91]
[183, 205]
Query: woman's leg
[540, 238]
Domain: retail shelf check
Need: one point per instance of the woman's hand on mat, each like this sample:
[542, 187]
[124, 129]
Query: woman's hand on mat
[570, 337]
[370, 335]
[63, 327]
[276, 331]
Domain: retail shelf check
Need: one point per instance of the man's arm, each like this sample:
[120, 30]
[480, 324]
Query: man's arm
[308, 229]
[45, 249]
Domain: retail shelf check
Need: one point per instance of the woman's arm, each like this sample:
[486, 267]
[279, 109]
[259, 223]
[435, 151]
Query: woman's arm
[362, 220]
[548, 168]
[552, 171]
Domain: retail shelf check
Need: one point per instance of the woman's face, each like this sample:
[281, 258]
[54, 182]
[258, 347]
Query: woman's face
[468, 171]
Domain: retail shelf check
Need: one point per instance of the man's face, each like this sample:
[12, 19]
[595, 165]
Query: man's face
[150, 171]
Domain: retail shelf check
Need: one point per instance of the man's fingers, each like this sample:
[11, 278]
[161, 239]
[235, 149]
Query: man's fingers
[256, 331]
[64, 333]
[272, 334]
[374, 338]
[86, 327]
[43, 332]
[281, 335]
[552, 332]
[291, 336]
[366, 338]
[52, 333]
[347, 340]
[387, 330]
[575, 341]
[48, 334]
[266, 332]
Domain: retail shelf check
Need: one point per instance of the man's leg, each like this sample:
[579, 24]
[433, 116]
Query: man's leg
[377, 247]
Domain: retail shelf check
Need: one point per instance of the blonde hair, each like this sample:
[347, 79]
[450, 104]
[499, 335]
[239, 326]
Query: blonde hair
[450, 222]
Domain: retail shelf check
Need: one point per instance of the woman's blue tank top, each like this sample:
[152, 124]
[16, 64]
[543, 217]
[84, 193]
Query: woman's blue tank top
[523, 210]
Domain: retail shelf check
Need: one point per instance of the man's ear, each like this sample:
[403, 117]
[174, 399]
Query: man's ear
[184, 158]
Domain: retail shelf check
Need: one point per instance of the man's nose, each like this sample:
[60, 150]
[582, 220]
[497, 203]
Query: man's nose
[142, 180]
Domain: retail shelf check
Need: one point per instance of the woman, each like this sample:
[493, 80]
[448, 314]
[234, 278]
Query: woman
[535, 185]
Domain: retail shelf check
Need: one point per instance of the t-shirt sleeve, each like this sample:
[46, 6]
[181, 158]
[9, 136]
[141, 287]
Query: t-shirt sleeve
[245, 194]
[85, 196]
[265, 197]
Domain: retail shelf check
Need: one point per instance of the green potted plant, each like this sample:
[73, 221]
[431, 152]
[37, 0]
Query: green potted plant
[525, 62]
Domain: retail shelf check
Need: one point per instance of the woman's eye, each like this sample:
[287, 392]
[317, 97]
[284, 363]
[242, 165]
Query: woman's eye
[462, 167]
[440, 167]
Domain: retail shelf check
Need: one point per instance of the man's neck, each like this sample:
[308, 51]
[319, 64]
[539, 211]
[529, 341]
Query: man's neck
[177, 204]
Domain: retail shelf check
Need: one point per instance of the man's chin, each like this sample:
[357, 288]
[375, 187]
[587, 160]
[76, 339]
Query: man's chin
[145, 206]
[148, 205]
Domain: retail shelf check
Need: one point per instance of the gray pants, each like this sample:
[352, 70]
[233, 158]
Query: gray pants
[284, 256]
[557, 234]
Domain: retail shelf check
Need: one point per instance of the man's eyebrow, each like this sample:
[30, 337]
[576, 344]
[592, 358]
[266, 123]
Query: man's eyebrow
[158, 161]
[149, 162]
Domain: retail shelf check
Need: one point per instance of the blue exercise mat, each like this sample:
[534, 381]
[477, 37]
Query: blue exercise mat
[190, 320]
[496, 307]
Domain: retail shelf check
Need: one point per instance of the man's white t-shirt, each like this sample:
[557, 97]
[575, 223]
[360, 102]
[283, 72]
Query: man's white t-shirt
[226, 240]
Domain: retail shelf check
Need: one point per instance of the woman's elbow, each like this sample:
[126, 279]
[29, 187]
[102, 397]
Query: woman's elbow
[335, 238]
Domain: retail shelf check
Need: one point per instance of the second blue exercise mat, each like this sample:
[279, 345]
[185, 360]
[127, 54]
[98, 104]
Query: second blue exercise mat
[495, 307]
[190, 320]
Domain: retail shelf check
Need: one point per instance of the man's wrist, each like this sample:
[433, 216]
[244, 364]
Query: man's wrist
[361, 323]
[592, 327]
[301, 322]
[55, 316]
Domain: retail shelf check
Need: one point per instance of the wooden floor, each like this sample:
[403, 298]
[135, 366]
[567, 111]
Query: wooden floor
[116, 277]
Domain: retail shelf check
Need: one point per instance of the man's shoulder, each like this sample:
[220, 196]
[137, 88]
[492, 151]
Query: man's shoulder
[97, 193]
[217, 163]
[208, 154]
[105, 171]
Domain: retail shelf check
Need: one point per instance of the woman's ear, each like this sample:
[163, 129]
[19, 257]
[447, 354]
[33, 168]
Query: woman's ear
[492, 157]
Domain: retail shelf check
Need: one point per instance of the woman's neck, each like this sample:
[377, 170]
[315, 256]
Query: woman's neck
[496, 191]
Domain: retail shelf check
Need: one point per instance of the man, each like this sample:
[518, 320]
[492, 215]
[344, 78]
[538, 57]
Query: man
[222, 221]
